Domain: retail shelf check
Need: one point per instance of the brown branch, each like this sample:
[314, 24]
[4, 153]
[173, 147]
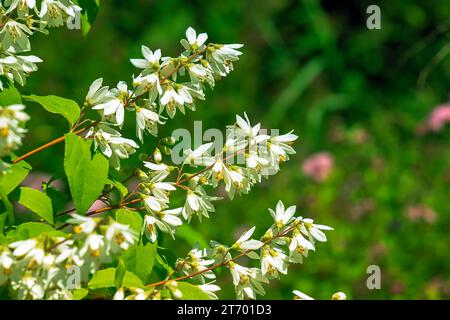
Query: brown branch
[48, 145]
[104, 209]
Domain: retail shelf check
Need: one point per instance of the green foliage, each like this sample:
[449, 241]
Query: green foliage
[106, 278]
[191, 292]
[130, 218]
[37, 202]
[336, 82]
[87, 174]
[28, 230]
[120, 274]
[79, 294]
[140, 259]
[14, 176]
[69, 109]
[10, 95]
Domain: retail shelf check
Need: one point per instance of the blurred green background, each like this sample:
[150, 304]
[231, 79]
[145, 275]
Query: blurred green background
[312, 66]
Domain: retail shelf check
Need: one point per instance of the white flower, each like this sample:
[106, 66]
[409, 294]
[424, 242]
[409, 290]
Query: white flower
[94, 246]
[248, 281]
[314, 230]
[15, 34]
[197, 157]
[197, 203]
[116, 105]
[11, 132]
[146, 120]
[157, 168]
[166, 221]
[21, 6]
[6, 264]
[299, 246]
[120, 237]
[150, 228]
[111, 144]
[83, 224]
[279, 147]
[221, 57]
[273, 260]
[154, 185]
[244, 243]
[171, 99]
[147, 83]
[194, 42]
[210, 290]
[151, 60]
[197, 261]
[301, 296]
[55, 12]
[339, 296]
[281, 216]
[249, 131]
[97, 94]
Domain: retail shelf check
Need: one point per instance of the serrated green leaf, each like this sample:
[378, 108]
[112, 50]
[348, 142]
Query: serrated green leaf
[14, 176]
[191, 292]
[106, 279]
[87, 174]
[69, 109]
[140, 259]
[37, 202]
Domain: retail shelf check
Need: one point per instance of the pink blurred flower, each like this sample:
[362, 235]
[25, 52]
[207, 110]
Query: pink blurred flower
[318, 166]
[439, 117]
[421, 212]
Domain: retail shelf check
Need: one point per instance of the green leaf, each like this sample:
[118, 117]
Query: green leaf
[3, 217]
[89, 13]
[37, 202]
[162, 261]
[140, 259]
[29, 230]
[8, 205]
[10, 95]
[130, 218]
[59, 199]
[14, 176]
[191, 292]
[106, 279]
[87, 174]
[119, 186]
[69, 109]
[79, 294]
[120, 274]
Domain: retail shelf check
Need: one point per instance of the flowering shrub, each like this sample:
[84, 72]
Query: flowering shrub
[111, 252]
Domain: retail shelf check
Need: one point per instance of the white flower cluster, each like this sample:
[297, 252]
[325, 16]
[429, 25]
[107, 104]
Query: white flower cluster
[12, 119]
[162, 85]
[19, 19]
[260, 152]
[287, 241]
[39, 268]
